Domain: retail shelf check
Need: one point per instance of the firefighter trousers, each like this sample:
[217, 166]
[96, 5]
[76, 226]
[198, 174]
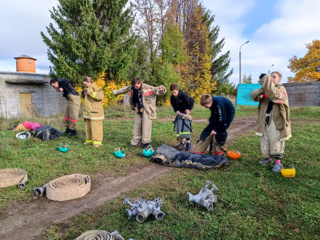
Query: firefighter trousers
[71, 114]
[94, 131]
[142, 129]
[209, 145]
[270, 143]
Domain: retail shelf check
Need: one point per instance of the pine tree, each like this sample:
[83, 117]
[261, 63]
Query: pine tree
[220, 63]
[247, 79]
[92, 36]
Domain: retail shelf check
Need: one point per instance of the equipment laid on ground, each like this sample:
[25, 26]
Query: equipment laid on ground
[205, 197]
[65, 188]
[234, 154]
[13, 176]
[23, 135]
[63, 148]
[142, 208]
[148, 151]
[100, 235]
[288, 172]
[119, 152]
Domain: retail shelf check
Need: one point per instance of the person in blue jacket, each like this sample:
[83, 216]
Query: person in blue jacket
[215, 133]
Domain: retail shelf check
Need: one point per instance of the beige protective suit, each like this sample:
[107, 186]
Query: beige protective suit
[278, 130]
[93, 115]
[142, 128]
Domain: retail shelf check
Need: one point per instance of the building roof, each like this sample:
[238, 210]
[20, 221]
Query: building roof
[25, 56]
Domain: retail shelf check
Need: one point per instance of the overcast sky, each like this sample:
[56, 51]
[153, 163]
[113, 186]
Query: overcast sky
[277, 30]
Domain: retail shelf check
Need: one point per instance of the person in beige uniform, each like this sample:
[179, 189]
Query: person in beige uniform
[143, 99]
[273, 124]
[71, 115]
[93, 112]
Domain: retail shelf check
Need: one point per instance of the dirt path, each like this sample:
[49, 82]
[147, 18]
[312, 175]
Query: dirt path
[28, 220]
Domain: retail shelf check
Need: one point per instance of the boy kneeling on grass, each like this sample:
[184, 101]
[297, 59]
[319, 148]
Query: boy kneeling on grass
[215, 133]
[182, 105]
[273, 124]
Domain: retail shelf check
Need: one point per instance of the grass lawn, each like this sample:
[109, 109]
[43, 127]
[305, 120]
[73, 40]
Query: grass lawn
[253, 202]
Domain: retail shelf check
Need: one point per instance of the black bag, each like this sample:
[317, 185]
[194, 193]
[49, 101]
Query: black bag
[46, 133]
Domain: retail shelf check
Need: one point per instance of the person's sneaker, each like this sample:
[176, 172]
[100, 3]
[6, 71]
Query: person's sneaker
[188, 146]
[73, 133]
[276, 168]
[180, 145]
[87, 143]
[266, 161]
[145, 145]
[68, 130]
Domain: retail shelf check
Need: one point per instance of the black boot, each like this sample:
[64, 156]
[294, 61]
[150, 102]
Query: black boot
[188, 146]
[145, 145]
[68, 130]
[73, 133]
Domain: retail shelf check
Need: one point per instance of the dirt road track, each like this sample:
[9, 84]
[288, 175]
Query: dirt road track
[27, 221]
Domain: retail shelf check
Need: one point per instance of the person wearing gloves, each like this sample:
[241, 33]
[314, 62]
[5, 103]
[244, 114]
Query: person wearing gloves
[71, 114]
[273, 124]
[93, 112]
[182, 105]
[143, 99]
[215, 133]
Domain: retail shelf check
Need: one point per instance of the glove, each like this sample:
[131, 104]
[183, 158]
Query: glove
[262, 75]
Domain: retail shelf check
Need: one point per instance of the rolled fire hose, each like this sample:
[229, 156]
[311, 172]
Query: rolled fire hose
[13, 176]
[65, 188]
[99, 235]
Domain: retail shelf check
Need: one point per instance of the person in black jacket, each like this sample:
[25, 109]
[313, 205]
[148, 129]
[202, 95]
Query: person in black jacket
[182, 105]
[71, 115]
[215, 133]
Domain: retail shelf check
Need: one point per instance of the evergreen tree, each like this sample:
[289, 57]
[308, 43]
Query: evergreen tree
[92, 36]
[220, 63]
[247, 79]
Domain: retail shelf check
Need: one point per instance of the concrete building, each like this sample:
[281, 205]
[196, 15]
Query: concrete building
[27, 95]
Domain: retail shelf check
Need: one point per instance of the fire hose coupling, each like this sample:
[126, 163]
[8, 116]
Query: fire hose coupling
[142, 208]
[40, 191]
[205, 197]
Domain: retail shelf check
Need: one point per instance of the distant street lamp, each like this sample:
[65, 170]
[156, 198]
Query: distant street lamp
[240, 61]
[269, 69]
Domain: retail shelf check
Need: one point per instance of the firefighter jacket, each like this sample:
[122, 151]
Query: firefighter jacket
[182, 102]
[67, 87]
[93, 103]
[280, 112]
[149, 94]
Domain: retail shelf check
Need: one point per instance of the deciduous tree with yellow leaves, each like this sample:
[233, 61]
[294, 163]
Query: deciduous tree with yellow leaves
[198, 77]
[306, 69]
[107, 86]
